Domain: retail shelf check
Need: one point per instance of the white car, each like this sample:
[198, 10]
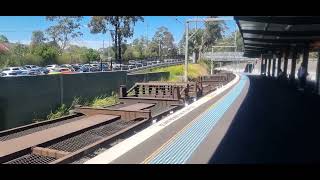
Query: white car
[31, 67]
[8, 74]
[12, 69]
[52, 67]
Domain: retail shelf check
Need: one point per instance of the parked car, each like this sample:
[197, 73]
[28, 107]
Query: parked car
[116, 67]
[52, 67]
[124, 67]
[83, 69]
[64, 70]
[132, 66]
[76, 67]
[8, 74]
[145, 63]
[139, 65]
[23, 71]
[43, 70]
[12, 69]
[31, 67]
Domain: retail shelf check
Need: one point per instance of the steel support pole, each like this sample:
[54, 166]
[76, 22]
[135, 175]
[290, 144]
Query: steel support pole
[293, 66]
[318, 75]
[273, 65]
[186, 54]
[269, 66]
[285, 63]
[261, 68]
[279, 64]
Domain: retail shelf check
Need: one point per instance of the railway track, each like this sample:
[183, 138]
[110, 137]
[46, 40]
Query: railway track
[89, 131]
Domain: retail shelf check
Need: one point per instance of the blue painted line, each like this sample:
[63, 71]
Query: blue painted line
[180, 149]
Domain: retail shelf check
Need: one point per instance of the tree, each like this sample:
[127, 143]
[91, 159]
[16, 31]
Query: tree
[121, 28]
[37, 38]
[92, 55]
[3, 39]
[48, 53]
[164, 39]
[204, 38]
[20, 50]
[65, 29]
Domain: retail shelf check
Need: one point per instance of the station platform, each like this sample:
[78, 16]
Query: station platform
[190, 135]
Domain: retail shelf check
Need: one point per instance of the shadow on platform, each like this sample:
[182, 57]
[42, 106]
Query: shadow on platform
[275, 124]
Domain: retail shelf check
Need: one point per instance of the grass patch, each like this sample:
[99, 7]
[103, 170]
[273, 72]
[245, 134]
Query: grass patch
[100, 101]
[177, 72]
[63, 110]
[103, 101]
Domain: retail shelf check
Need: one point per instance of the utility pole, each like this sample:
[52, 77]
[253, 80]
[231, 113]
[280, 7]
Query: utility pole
[103, 54]
[147, 34]
[186, 54]
[211, 72]
[159, 50]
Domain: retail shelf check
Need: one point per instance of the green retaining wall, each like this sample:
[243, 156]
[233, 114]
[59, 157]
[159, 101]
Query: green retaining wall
[23, 99]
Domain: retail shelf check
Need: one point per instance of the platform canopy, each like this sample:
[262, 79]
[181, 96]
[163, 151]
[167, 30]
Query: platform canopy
[275, 34]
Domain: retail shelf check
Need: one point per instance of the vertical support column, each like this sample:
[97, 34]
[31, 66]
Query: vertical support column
[318, 75]
[279, 64]
[273, 65]
[123, 91]
[261, 68]
[265, 66]
[269, 66]
[61, 89]
[305, 57]
[285, 62]
[293, 66]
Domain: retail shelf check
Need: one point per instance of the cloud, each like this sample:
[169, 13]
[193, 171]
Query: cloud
[21, 41]
[94, 44]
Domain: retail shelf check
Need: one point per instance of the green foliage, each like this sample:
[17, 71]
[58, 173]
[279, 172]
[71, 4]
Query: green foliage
[165, 40]
[104, 101]
[3, 39]
[122, 26]
[47, 52]
[229, 41]
[37, 38]
[63, 110]
[176, 72]
[100, 101]
[65, 29]
[92, 55]
[203, 38]
[19, 55]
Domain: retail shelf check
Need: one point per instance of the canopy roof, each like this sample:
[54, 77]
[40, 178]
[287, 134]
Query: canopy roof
[272, 34]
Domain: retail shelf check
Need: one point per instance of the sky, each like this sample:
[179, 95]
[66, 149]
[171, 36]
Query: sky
[19, 29]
